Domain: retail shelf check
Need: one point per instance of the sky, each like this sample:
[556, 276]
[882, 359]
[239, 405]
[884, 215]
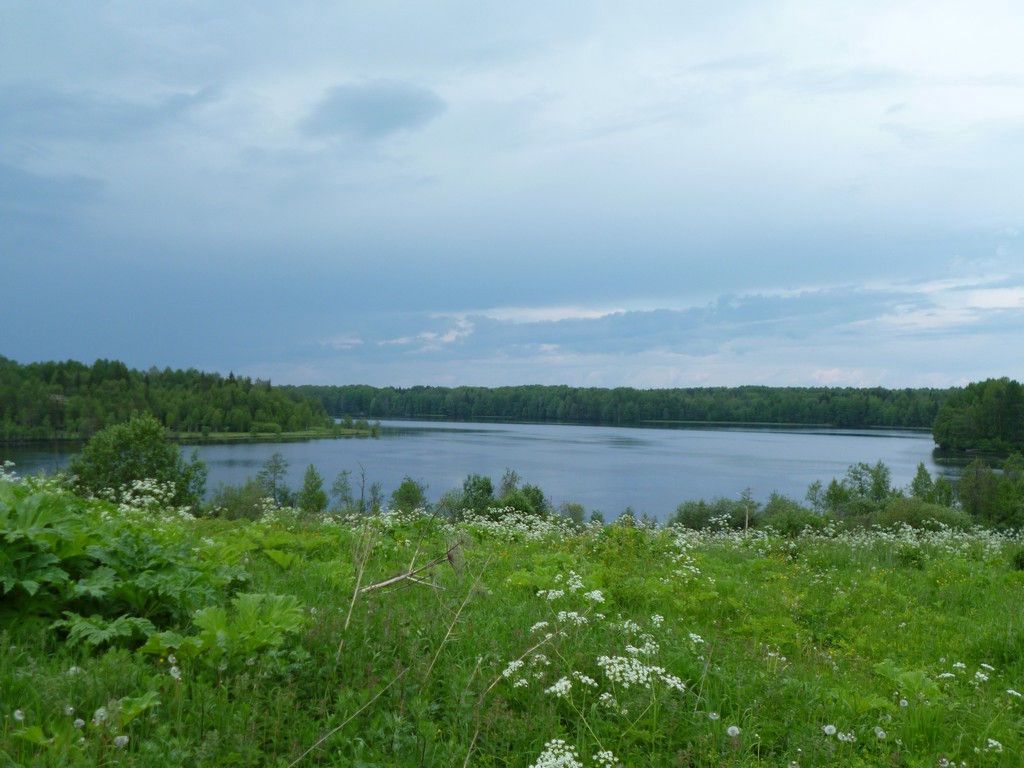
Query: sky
[601, 194]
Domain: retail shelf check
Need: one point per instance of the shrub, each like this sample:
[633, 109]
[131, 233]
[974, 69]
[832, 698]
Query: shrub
[248, 501]
[1017, 559]
[137, 450]
[711, 514]
[920, 514]
[788, 517]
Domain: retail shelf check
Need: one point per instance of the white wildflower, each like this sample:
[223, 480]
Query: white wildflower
[539, 626]
[1015, 694]
[849, 737]
[121, 741]
[558, 754]
[713, 715]
[79, 723]
[512, 668]
[19, 715]
[830, 730]
[560, 689]
[993, 746]
[606, 759]
[879, 733]
[175, 673]
[594, 596]
[733, 731]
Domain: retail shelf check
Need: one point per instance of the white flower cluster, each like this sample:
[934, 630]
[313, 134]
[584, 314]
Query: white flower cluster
[630, 672]
[572, 617]
[560, 689]
[558, 754]
[605, 759]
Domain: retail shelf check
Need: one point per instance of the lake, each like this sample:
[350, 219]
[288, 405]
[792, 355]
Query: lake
[603, 468]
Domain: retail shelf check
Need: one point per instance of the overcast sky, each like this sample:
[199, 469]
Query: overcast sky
[643, 194]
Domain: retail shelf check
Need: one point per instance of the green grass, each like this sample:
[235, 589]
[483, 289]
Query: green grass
[777, 637]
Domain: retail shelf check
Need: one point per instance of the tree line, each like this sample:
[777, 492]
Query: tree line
[832, 406]
[984, 416]
[72, 400]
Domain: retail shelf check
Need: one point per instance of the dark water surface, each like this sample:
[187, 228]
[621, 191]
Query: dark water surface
[605, 468]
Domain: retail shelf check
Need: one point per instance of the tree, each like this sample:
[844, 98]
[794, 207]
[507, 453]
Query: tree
[137, 450]
[922, 487]
[272, 475]
[312, 498]
[477, 493]
[341, 489]
[376, 497]
[409, 495]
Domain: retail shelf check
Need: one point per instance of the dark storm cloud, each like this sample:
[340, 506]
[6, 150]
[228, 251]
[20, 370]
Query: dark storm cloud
[373, 109]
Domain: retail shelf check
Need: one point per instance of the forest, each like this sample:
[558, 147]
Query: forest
[72, 400]
[984, 416]
[839, 407]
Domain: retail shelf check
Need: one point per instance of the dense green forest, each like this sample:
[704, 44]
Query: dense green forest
[72, 400]
[986, 416]
[846, 407]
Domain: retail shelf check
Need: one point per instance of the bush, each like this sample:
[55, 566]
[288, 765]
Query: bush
[238, 502]
[137, 450]
[712, 514]
[788, 517]
[1017, 559]
[920, 514]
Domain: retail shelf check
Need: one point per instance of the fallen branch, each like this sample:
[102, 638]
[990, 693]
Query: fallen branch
[409, 575]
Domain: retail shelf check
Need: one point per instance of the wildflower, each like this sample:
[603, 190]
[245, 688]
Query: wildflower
[79, 723]
[849, 737]
[572, 617]
[585, 679]
[946, 675]
[606, 759]
[172, 659]
[879, 733]
[560, 689]
[733, 731]
[696, 639]
[538, 626]
[980, 676]
[993, 746]
[99, 716]
[959, 665]
[121, 741]
[74, 670]
[69, 710]
[594, 596]
[19, 715]
[520, 682]
[175, 673]
[657, 620]
[989, 667]
[713, 715]
[512, 668]
[830, 730]
[904, 703]
[558, 754]
[1015, 694]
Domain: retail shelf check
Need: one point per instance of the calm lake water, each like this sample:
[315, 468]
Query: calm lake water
[603, 468]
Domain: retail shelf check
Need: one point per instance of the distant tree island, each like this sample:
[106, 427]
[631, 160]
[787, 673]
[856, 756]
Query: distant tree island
[72, 401]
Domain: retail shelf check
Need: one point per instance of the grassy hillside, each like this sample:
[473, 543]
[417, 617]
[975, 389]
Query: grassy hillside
[138, 636]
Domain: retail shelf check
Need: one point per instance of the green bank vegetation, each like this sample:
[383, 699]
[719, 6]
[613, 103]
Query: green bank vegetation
[72, 401]
[867, 626]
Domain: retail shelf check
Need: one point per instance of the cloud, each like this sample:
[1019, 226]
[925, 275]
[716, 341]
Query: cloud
[372, 110]
[34, 112]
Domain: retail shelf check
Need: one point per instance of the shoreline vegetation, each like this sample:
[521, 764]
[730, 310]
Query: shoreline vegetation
[51, 401]
[304, 627]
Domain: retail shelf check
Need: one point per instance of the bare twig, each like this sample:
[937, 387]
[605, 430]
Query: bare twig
[409, 574]
[363, 554]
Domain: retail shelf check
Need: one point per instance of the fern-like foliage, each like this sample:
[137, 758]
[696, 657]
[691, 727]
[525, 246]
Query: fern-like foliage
[96, 631]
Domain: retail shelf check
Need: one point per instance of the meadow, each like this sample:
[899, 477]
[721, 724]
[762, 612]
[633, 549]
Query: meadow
[135, 634]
